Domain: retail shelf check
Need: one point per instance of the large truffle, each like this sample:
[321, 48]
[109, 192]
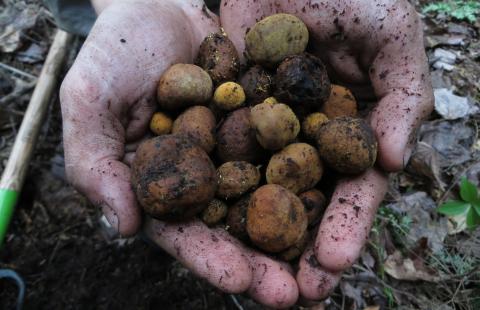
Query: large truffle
[273, 38]
[276, 218]
[172, 177]
[302, 80]
[347, 144]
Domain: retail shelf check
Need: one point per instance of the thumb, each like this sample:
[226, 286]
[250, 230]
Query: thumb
[94, 140]
[400, 77]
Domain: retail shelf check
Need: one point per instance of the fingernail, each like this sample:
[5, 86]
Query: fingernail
[109, 222]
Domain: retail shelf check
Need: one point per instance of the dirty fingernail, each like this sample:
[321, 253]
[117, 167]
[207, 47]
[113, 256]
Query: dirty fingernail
[109, 222]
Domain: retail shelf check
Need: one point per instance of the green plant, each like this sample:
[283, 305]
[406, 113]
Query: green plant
[469, 205]
[459, 9]
[447, 262]
[398, 222]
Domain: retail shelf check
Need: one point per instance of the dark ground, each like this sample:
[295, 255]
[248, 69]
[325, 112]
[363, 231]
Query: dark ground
[55, 242]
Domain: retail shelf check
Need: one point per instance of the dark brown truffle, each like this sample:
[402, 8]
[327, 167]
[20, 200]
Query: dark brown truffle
[302, 80]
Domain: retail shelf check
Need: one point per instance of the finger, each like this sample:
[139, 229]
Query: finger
[273, 285]
[94, 147]
[347, 221]
[346, 65]
[400, 78]
[314, 282]
[206, 252]
[140, 115]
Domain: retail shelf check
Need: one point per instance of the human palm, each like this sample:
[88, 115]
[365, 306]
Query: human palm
[108, 98]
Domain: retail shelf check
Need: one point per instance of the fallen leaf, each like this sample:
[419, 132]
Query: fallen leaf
[402, 268]
[14, 19]
[367, 259]
[425, 162]
[451, 106]
[354, 293]
[443, 59]
[425, 221]
[457, 223]
[452, 40]
[372, 308]
[451, 139]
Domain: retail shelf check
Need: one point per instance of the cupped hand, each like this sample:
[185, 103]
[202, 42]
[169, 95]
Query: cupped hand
[107, 100]
[375, 47]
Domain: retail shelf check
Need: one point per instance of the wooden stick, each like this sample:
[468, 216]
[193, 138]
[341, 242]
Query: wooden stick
[18, 161]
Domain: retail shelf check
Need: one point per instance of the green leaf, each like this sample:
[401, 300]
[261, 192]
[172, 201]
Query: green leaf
[468, 191]
[476, 206]
[473, 219]
[452, 208]
[459, 9]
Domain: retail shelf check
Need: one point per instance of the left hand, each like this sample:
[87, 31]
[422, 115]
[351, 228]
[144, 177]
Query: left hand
[376, 49]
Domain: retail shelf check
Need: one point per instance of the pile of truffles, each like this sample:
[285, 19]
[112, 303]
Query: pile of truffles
[248, 155]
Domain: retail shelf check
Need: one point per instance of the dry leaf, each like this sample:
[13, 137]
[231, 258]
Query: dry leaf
[451, 139]
[425, 162]
[367, 259]
[354, 293]
[426, 222]
[13, 20]
[402, 268]
[372, 308]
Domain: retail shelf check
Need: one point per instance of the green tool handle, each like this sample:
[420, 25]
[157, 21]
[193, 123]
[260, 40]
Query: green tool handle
[16, 168]
[8, 199]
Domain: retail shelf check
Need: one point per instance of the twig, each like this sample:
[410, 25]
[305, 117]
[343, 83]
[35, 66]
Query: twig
[456, 291]
[235, 301]
[16, 93]
[54, 252]
[343, 301]
[17, 71]
[375, 277]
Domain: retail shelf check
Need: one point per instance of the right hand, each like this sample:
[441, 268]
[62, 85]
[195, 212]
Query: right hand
[107, 99]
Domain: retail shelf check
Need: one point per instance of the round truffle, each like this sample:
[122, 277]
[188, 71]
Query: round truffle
[161, 124]
[257, 84]
[297, 167]
[312, 123]
[347, 145]
[341, 102]
[215, 212]
[236, 178]
[302, 80]
[315, 204]
[237, 218]
[276, 218]
[173, 178]
[236, 138]
[198, 124]
[184, 85]
[229, 96]
[275, 125]
[273, 38]
[218, 56]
